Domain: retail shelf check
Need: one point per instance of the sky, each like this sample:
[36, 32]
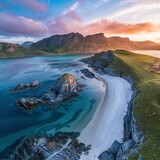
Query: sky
[32, 20]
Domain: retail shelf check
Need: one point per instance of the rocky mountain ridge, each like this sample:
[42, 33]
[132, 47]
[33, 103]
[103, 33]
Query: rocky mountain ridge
[77, 43]
[73, 43]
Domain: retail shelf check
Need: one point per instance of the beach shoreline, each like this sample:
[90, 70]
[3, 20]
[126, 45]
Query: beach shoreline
[107, 124]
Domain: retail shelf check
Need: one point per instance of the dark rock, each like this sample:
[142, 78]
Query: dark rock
[101, 60]
[29, 103]
[88, 73]
[120, 154]
[106, 156]
[127, 128]
[21, 86]
[128, 144]
[115, 147]
[62, 146]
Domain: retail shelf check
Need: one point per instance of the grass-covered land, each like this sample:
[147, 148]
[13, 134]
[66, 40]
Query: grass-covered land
[144, 72]
[147, 102]
[20, 52]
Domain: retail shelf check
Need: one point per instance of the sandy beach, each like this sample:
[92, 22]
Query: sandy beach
[106, 125]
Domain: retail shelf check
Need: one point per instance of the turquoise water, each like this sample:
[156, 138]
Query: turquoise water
[72, 115]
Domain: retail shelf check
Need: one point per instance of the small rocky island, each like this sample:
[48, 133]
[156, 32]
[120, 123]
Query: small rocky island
[65, 88]
[22, 86]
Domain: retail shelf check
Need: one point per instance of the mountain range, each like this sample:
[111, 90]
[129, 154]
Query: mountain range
[76, 43]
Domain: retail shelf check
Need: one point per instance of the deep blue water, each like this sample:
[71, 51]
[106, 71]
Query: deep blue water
[72, 115]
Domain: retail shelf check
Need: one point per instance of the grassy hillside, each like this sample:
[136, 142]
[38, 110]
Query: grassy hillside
[22, 52]
[145, 72]
[9, 50]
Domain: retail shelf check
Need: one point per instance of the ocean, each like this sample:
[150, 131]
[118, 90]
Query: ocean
[70, 116]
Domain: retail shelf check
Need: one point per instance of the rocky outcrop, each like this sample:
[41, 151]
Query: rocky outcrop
[64, 88]
[30, 103]
[88, 73]
[62, 146]
[22, 86]
[66, 85]
[100, 60]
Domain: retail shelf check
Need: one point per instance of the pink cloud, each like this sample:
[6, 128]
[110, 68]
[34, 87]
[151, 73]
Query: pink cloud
[63, 25]
[115, 27]
[70, 22]
[33, 5]
[18, 25]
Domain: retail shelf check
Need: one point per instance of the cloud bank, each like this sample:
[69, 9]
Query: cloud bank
[19, 25]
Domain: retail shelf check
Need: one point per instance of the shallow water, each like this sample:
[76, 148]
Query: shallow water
[73, 115]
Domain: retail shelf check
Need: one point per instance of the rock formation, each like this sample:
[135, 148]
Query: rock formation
[62, 146]
[64, 88]
[74, 43]
[101, 60]
[88, 73]
[22, 86]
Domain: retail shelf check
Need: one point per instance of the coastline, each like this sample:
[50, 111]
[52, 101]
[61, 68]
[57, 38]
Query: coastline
[47, 54]
[109, 116]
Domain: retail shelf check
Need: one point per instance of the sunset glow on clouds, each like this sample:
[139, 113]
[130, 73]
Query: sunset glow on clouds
[35, 19]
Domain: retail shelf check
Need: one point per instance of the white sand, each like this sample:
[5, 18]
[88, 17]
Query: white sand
[106, 125]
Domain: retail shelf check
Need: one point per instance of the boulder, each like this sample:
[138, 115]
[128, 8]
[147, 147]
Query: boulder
[128, 144]
[106, 156]
[111, 153]
[115, 147]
